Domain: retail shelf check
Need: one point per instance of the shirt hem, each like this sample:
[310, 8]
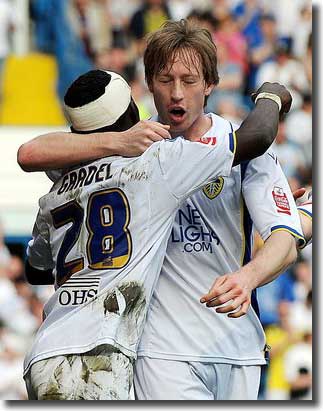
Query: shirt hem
[202, 358]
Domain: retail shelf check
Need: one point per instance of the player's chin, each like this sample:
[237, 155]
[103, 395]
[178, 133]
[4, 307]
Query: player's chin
[178, 128]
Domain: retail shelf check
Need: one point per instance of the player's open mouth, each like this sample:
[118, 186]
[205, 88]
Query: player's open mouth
[177, 114]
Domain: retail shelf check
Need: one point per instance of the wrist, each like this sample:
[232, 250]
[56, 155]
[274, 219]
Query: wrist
[251, 273]
[270, 96]
[109, 142]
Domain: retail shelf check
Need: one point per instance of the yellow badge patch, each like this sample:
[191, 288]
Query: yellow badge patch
[212, 190]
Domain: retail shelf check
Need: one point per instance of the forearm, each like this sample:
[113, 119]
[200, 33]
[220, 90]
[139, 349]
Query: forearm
[278, 252]
[258, 131]
[61, 149]
[234, 289]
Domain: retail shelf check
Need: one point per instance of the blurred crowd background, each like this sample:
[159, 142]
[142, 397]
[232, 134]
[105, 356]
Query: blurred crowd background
[46, 44]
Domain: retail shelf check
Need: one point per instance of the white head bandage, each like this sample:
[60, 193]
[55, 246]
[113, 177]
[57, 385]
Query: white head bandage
[103, 111]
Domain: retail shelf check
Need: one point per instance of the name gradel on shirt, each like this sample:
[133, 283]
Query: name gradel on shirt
[85, 176]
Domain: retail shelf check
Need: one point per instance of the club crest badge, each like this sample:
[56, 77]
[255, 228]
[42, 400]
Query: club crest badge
[212, 190]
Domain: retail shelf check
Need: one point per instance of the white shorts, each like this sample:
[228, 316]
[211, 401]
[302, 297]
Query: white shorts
[100, 374]
[157, 379]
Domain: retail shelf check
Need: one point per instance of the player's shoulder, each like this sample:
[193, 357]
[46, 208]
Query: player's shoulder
[268, 160]
[221, 124]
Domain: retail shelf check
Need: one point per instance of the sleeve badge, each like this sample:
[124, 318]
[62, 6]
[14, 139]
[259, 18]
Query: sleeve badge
[281, 200]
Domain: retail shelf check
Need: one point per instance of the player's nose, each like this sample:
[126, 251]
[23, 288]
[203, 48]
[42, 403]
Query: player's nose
[177, 92]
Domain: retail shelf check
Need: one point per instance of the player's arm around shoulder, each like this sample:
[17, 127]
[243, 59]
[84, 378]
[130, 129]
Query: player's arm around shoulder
[259, 129]
[64, 149]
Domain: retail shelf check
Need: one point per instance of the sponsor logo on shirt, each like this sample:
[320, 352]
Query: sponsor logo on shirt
[281, 200]
[77, 291]
[211, 141]
[193, 232]
[212, 190]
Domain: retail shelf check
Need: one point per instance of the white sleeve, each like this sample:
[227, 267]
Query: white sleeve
[39, 251]
[268, 197]
[186, 166]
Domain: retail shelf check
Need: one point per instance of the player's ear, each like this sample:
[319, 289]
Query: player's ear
[150, 87]
[208, 89]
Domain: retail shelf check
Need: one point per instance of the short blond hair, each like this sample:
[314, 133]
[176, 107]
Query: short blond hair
[188, 40]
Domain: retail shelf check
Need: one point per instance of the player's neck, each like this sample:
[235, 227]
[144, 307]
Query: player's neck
[198, 128]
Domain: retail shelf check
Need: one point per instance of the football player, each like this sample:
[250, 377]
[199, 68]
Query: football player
[213, 356]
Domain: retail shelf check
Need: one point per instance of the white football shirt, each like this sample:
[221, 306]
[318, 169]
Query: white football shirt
[103, 229]
[212, 236]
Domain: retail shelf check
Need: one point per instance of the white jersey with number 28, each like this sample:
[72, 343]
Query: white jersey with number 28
[103, 230]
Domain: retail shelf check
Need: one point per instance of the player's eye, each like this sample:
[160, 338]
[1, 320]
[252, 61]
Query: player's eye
[190, 80]
[164, 80]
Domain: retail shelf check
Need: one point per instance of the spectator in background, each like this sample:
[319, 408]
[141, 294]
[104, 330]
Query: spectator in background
[18, 321]
[14, 310]
[301, 313]
[118, 59]
[271, 295]
[230, 111]
[287, 13]
[7, 19]
[231, 82]
[283, 67]
[290, 156]
[303, 22]
[148, 18]
[53, 20]
[143, 100]
[11, 361]
[248, 13]
[299, 129]
[220, 9]
[89, 20]
[262, 47]
[4, 251]
[179, 9]
[298, 368]
[280, 336]
[119, 13]
[204, 19]
[307, 61]
[228, 35]
[303, 280]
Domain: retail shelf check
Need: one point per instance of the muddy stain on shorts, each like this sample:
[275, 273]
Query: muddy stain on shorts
[54, 387]
[133, 294]
[128, 301]
[111, 304]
